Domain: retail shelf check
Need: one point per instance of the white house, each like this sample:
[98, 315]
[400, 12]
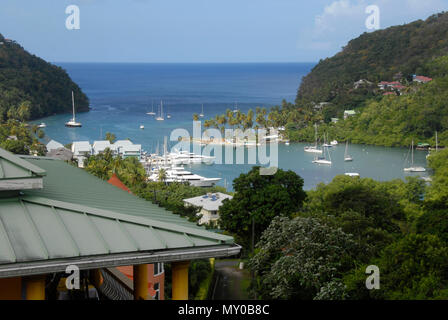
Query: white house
[349, 113]
[81, 150]
[54, 145]
[123, 148]
[209, 205]
[100, 146]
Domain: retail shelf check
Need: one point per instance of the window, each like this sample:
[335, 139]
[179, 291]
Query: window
[157, 290]
[158, 268]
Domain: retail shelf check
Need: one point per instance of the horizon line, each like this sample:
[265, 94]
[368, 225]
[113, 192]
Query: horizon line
[179, 62]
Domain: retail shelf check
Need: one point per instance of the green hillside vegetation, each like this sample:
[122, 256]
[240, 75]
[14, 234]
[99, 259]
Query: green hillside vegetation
[395, 120]
[376, 56]
[31, 87]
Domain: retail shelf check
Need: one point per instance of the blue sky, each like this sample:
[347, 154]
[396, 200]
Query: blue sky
[198, 30]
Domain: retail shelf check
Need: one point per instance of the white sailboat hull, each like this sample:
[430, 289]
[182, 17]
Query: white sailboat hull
[313, 150]
[415, 169]
[73, 124]
[327, 162]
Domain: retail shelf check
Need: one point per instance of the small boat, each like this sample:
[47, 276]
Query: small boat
[430, 149]
[152, 113]
[168, 116]
[347, 157]
[287, 142]
[161, 118]
[352, 174]
[201, 115]
[326, 145]
[334, 143]
[42, 125]
[142, 126]
[323, 160]
[236, 108]
[313, 149]
[413, 168]
[72, 123]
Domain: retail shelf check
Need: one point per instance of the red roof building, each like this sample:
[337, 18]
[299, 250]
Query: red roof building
[422, 79]
[114, 180]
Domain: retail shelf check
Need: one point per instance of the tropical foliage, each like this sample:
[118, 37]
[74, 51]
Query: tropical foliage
[31, 87]
[18, 137]
[322, 251]
[257, 200]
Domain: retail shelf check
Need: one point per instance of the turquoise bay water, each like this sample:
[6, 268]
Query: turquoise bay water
[121, 94]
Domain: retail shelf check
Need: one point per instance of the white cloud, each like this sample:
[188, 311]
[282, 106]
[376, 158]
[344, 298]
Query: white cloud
[342, 20]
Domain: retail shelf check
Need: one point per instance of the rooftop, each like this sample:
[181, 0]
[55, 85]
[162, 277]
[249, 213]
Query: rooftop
[79, 219]
[209, 202]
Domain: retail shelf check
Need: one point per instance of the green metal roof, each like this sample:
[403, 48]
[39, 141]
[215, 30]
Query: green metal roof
[13, 167]
[67, 183]
[33, 228]
[80, 219]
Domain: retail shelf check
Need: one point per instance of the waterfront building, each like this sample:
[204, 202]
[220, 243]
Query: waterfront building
[54, 216]
[53, 145]
[209, 205]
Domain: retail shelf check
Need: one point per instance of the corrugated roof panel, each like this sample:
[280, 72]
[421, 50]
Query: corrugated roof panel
[83, 232]
[7, 254]
[11, 170]
[114, 235]
[12, 166]
[26, 244]
[52, 231]
[175, 240]
[70, 184]
[144, 237]
[199, 241]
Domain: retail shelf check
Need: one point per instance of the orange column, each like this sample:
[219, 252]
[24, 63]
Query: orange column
[140, 282]
[180, 280]
[35, 288]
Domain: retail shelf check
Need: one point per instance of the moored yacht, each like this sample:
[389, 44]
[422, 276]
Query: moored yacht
[72, 122]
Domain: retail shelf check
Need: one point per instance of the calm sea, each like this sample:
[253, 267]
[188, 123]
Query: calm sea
[121, 94]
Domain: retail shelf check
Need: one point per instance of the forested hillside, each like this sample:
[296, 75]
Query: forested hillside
[31, 87]
[376, 56]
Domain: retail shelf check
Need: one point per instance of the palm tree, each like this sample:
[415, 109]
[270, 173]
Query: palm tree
[195, 117]
[162, 175]
[110, 137]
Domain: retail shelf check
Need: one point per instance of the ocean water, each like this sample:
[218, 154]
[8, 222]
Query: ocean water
[121, 94]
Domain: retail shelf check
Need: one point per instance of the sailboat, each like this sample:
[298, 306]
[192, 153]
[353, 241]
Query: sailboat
[168, 116]
[152, 113]
[412, 168]
[326, 145]
[323, 160]
[161, 118]
[347, 157]
[437, 147]
[201, 115]
[72, 122]
[236, 108]
[313, 149]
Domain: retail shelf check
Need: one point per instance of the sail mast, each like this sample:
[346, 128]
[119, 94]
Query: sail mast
[73, 104]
